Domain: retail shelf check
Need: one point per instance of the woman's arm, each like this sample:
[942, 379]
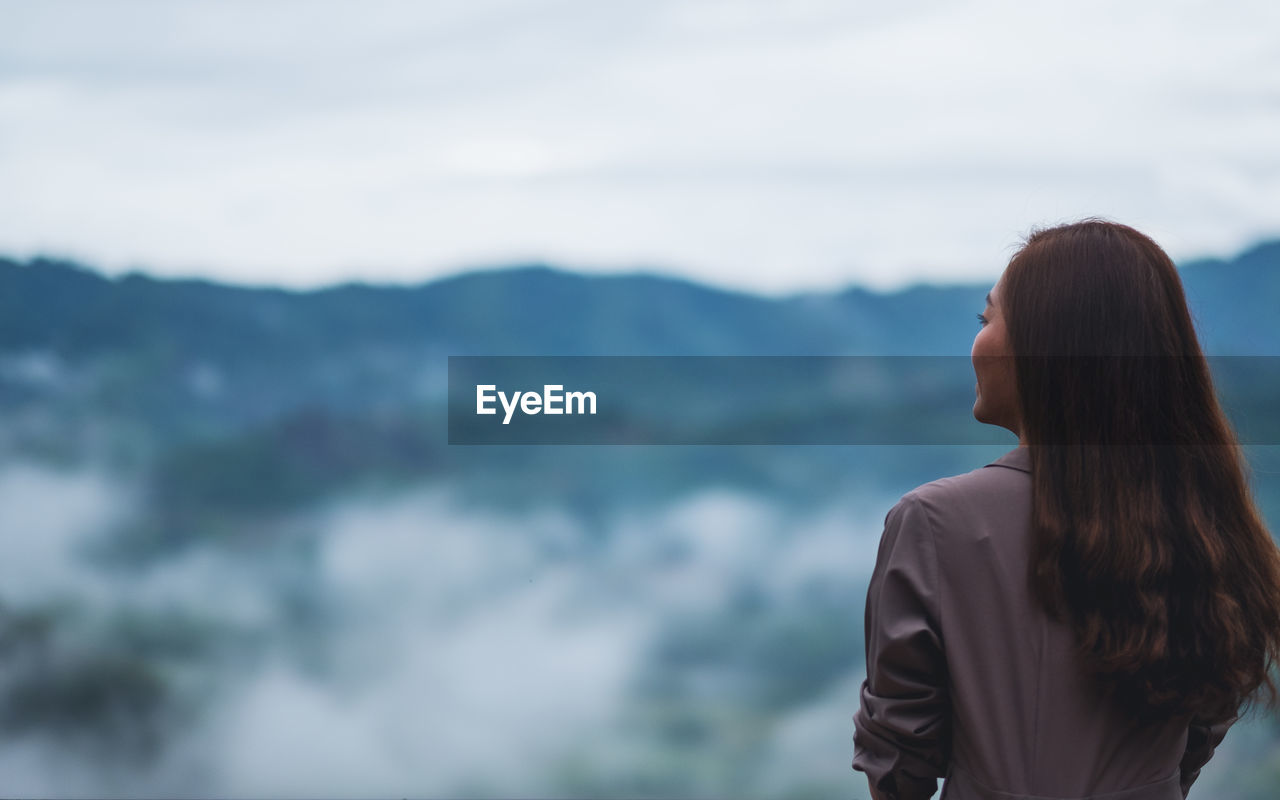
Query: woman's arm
[902, 726]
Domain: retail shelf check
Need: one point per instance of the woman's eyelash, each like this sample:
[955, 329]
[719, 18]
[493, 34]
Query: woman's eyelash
[982, 319]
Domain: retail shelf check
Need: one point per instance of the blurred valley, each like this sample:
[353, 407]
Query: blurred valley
[238, 557]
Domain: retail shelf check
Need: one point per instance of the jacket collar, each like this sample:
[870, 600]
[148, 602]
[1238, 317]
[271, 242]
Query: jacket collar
[1018, 458]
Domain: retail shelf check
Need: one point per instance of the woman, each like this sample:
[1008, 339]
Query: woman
[1086, 615]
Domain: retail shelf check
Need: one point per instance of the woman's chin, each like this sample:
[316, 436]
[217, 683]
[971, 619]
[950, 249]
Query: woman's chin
[979, 413]
[982, 415]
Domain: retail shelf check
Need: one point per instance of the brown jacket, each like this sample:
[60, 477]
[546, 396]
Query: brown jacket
[969, 681]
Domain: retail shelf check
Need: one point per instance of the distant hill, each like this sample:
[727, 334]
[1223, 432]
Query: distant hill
[196, 355]
[521, 310]
[74, 312]
[1235, 302]
[317, 389]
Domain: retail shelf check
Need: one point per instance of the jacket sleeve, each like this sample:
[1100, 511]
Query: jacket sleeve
[1202, 739]
[902, 725]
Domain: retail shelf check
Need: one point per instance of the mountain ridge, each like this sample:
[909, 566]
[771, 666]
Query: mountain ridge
[538, 308]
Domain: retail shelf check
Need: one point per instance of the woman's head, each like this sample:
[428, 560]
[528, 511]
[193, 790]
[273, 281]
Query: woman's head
[1096, 288]
[1093, 327]
[1146, 539]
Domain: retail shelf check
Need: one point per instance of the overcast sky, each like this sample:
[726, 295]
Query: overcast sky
[772, 146]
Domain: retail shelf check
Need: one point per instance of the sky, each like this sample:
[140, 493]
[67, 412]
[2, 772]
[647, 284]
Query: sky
[767, 146]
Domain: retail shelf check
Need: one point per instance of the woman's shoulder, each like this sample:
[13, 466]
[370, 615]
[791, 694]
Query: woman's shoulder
[987, 489]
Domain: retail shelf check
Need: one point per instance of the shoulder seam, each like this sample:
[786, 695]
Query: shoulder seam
[1005, 466]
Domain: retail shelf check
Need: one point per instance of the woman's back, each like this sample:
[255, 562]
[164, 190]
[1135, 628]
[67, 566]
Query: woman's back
[1086, 615]
[969, 679]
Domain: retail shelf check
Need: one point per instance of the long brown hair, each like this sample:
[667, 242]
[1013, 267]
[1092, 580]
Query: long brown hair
[1147, 540]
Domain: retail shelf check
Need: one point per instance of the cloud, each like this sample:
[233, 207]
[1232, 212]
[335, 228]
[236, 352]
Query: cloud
[739, 143]
[48, 516]
[455, 645]
[463, 650]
